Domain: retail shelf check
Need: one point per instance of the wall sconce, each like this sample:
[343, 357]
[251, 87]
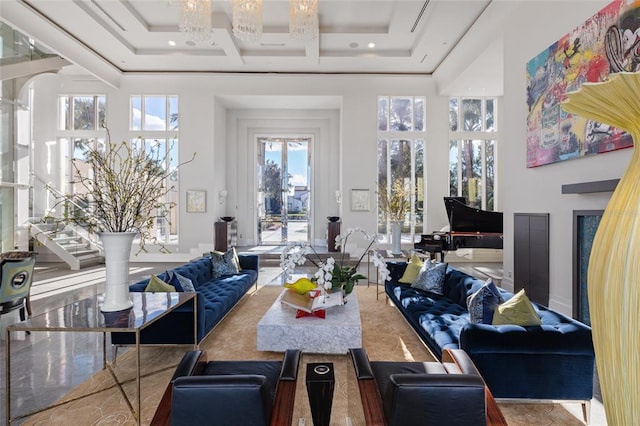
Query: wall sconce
[222, 196]
[338, 196]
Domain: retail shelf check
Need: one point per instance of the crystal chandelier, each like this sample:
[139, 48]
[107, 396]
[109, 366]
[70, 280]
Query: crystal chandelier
[195, 19]
[303, 19]
[247, 19]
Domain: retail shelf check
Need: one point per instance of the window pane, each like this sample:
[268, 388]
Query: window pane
[63, 109]
[472, 172]
[490, 115]
[419, 186]
[136, 113]
[453, 114]
[382, 180]
[418, 110]
[102, 108]
[453, 168]
[155, 113]
[400, 167]
[400, 114]
[383, 113]
[472, 114]
[84, 113]
[490, 174]
[173, 112]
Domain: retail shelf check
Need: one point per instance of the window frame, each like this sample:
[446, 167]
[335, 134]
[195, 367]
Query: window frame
[484, 136]
[413, 138]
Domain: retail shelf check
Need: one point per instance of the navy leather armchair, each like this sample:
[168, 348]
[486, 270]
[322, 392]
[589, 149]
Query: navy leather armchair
[424, 393]
[248, 393]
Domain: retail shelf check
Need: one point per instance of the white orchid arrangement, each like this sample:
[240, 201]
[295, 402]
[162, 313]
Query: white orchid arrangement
[332, 275]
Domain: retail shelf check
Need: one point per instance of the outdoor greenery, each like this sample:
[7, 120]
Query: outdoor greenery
[123, 190]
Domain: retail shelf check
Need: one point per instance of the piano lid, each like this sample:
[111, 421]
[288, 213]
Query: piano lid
[463, 218]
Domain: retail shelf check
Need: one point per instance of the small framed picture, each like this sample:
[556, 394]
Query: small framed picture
[196, 201]
[360, 200]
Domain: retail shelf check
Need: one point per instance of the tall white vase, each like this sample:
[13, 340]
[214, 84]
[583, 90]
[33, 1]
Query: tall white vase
[117, 249]
[396, 238]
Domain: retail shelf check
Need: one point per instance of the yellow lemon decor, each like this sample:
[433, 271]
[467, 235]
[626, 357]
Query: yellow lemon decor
[301, 286]
[613, 276]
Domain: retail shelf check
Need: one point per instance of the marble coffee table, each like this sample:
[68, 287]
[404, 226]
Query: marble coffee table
[340, 330]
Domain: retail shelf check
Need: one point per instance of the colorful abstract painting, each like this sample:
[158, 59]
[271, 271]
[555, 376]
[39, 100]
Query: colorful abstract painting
[607, 42]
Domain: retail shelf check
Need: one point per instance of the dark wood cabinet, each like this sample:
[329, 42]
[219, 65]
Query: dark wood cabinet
[332, 232]
[531, 255]
[225, 235]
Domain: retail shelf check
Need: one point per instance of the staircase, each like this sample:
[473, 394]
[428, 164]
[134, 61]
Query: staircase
[68, 242]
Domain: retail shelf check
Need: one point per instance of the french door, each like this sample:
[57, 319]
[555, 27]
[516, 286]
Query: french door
[284, 190]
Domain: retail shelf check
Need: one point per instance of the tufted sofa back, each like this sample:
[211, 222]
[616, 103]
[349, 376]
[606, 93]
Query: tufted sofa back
[458, 286]
[198, 271]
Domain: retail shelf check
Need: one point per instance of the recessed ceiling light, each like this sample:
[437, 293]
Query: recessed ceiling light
[353, 45]
[171, 43]
[190, 43]
[371, 45]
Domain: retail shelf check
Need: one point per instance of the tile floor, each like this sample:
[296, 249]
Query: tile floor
[46, 366]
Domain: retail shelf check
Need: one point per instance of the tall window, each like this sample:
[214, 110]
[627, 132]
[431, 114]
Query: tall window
[154, 121]
[80, 124]
[401, 156]
[472, 150]
[81, 112]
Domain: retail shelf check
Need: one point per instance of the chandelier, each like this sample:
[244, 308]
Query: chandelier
[247, 19]
[195, 19]
[303, 19]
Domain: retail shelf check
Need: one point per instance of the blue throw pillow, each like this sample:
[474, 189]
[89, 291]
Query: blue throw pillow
[431, 277]
[223, 263]
[174, 281]
[483, 302]
[186, 283]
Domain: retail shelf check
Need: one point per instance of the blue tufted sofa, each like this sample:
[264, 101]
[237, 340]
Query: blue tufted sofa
[216, 297]
[551, 361]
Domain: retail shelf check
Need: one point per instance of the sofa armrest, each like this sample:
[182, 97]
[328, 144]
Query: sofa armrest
[537, 362]
[249, 261]
[369, 393]
[396, 269]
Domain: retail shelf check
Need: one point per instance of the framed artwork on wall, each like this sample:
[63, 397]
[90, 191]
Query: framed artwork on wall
[196, 201]
[360, 200]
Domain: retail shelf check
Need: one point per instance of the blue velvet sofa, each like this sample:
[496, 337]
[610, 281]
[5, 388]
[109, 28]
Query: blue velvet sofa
[216, 297]
[552, 361]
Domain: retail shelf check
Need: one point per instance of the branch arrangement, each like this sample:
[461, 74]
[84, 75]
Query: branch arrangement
[124, 189]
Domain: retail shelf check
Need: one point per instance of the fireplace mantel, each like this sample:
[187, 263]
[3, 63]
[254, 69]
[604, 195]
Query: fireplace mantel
[590, 187]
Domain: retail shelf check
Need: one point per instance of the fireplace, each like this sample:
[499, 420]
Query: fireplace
[585, 224]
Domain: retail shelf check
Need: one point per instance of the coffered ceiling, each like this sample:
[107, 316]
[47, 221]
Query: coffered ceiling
[108, 37]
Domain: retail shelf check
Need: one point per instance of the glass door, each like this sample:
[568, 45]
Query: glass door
[283, 190]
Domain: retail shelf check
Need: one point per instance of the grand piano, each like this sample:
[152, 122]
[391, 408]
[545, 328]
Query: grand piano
[468, 228]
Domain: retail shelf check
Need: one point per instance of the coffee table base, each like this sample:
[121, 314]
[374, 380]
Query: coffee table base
[340, 330]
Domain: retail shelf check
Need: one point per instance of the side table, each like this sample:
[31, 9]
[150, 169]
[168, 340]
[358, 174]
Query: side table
[85, 316]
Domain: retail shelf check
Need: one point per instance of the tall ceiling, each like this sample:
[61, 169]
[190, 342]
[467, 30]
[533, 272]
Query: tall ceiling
[115, 37]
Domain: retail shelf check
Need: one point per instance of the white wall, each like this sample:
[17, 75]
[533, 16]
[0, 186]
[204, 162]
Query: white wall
[538, 190]
[345, 155]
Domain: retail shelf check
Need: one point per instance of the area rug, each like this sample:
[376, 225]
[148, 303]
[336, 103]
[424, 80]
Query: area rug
[385, 335]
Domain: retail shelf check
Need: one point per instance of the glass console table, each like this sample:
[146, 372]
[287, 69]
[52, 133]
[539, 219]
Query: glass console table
[85, 316]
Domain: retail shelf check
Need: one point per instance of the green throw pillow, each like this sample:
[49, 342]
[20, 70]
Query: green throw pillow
[411, 272]
[517, 311]
[156, 285]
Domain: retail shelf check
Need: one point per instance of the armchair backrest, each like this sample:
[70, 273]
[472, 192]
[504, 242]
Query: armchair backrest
[233, 399]
[434, 399]
[16, 279]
